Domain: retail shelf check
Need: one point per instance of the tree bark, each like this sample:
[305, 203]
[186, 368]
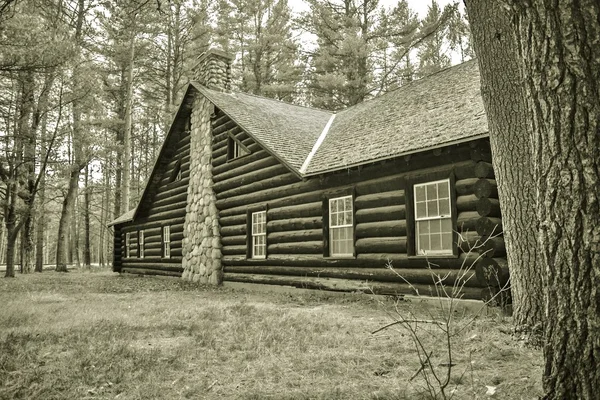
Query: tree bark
[510, 139]
[87, 254]
[560, 57]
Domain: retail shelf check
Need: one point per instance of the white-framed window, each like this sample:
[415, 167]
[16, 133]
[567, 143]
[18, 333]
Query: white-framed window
[166, 238]
[259, 234]
[433, 218]
[127, 244]
[341, 226]
[236, 149]
[141, 243]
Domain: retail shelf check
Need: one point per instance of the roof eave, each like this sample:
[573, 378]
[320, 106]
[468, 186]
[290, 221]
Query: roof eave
[410, 152]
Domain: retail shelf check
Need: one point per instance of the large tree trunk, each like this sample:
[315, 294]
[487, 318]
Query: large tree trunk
[127, 157]
[561, 60]
[510, 138]
[87, 254]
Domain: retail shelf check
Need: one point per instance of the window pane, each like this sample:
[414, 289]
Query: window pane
[333, 206]
[444, 206]
[348, 203]
[447, 241]
[443, 191]
[434, 226]
[432, 208]
[431, 192]
[446, 225]
[334, 220]
[435, 241]
[421, 210]
[423, 227]
[420, 193]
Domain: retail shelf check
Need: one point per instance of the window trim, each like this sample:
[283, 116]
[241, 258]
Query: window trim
[412, 217]
[166, 241]
[127, 244]
[254, 235]
[141, 243]
[331, 229]
[235, 146]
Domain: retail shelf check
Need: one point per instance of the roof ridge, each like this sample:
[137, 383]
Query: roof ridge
[268, 98]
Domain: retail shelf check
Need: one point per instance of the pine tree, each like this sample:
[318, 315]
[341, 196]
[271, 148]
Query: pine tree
[433, 51]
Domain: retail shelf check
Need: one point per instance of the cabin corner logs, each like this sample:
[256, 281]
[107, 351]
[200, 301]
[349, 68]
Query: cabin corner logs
[296, 208]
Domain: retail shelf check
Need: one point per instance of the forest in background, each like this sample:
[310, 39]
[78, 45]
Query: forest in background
[88, 89]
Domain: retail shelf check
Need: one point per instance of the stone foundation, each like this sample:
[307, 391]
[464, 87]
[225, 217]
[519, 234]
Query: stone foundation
[201, 236]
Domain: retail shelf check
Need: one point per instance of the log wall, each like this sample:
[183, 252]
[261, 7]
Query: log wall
[296, 248]
[167, 206]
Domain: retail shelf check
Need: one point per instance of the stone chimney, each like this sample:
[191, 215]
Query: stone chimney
[201, 233]
[213, 70]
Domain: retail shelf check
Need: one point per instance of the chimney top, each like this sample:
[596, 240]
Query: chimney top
[213, 69]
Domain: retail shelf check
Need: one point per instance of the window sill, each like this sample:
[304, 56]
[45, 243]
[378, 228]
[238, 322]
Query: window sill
[434, 256]
[340, 257]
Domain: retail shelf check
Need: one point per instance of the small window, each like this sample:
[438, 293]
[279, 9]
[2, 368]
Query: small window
[433, 218]
[127, 244]
[259, 234]
[141, 243]
[176, 175]
[235, 149]
[166, 238]
[341, 227]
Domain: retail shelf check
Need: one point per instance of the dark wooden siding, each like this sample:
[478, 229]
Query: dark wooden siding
[296, 235]
[167, 206]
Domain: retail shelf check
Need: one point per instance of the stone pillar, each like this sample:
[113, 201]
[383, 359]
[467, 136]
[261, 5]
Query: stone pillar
[201, 235]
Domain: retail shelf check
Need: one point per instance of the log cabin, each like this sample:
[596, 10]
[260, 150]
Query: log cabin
[383, 196]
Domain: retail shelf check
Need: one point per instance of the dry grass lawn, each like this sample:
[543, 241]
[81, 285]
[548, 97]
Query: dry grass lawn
[98, 335]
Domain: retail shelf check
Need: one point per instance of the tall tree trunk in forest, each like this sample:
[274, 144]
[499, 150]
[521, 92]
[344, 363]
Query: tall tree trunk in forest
[560, 54]
[62, 247]
[41, 120]
[510, 138]
[126, 162]
[87, 256]
[27, 133]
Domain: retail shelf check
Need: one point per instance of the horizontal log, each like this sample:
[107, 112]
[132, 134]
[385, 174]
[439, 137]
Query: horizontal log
[233, 230]
[346, 285]
[223, 124]
[484, 169]
[466, 221]
[481, 155]
[381, 214]
[485, 188]
[464, 169]
[487, 207]
[309, 195]
[383, 199]
[234, 249]
[249, 177]
[381, 245]
[233, 219]
[381, 229]
[169, 200]
[249, 165]
[158, 272]
[314, 209]
[492, 271]
[233, 240]
[167, 207]
[176, 191]
[293, 224]
[493, 247]
[467, 202]
[366, 260]
[412, 275]
[312, 247]
[286, 177]
[176, 253]
[489, 226]
[465, 186]
[469, 242]
[171, 264]
[295, 236]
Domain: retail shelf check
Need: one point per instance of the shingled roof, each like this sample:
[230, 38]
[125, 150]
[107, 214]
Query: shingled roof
[441, 109]
[288, 130]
